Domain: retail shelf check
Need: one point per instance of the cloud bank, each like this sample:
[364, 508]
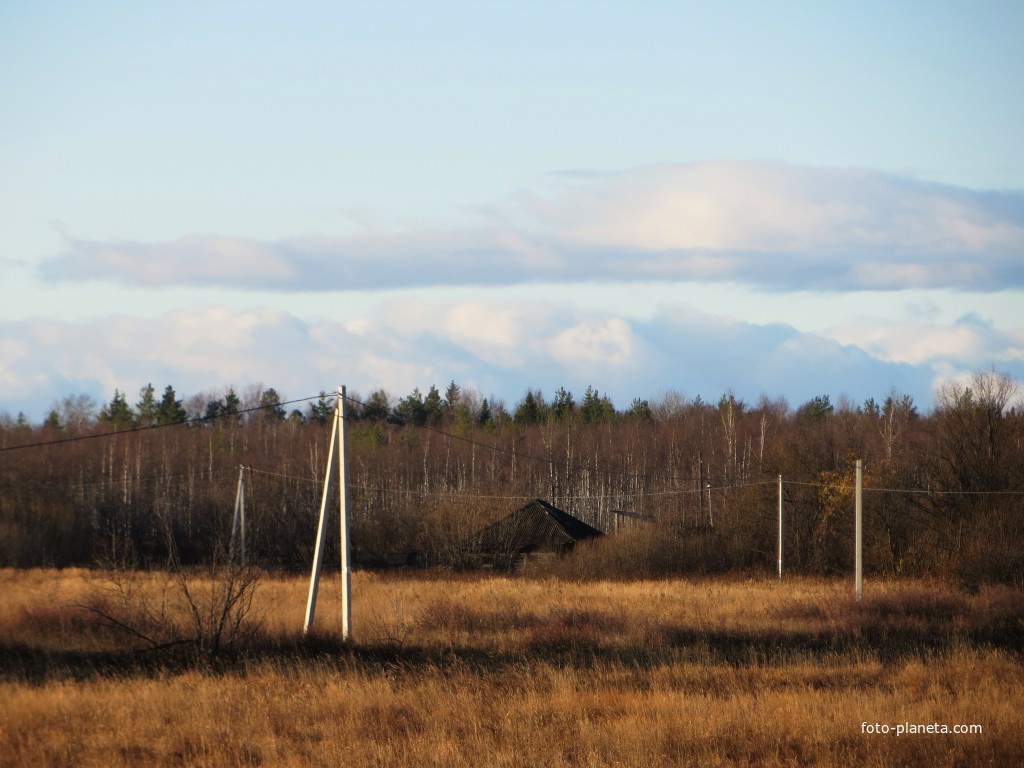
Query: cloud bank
[773, 225]
[499, 348]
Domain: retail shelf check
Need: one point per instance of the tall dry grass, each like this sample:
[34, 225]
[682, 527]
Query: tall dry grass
[453, 671]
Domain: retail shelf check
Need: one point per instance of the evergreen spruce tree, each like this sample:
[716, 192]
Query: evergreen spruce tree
[451, 398]
[52, 420]
[411, 409]
[595, 409]
[270, 402]
[563, 405]
[378, 407]
[531, 410]
[433, 408]
[170, 410]
[640, 410]
[146, 407]
[214, 410]
[322, 409]
[231, 405]
[117, 413]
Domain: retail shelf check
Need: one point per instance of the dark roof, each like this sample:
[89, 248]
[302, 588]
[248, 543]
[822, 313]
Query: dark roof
[537, 525]
[573, 526]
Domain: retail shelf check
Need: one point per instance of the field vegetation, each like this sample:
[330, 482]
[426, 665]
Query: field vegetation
[459, 670]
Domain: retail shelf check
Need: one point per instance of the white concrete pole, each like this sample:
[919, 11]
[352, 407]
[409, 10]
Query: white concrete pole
[237, 521]
[780, 526]
[346, 570]
[318, 553]
[241, 512]
[859, 532]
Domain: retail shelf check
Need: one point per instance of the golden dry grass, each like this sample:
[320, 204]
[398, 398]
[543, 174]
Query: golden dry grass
[457, 671]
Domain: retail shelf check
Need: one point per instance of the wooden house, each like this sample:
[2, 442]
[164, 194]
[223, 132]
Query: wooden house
[535, 531]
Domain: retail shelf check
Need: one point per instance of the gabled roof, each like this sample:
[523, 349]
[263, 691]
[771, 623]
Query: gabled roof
[537, 525]
[575, 528]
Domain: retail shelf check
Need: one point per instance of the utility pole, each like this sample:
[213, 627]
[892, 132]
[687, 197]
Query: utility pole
[338, 430]
[858, 552]
[780, 526]
[346, 553]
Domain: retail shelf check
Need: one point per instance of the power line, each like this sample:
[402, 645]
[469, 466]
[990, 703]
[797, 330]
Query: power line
[918, 491]
[122, 481]
[442, 494]
[925, 492]
[148, 427]
[285, 477]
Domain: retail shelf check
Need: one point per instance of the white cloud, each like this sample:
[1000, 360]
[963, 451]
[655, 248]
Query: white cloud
[1015, 346]
[914, 344]
[502, 348]
[496, 334]
[774, 225]
[194, 259]
[714, 207]
[505, 334]
[607, 342]
[968, 344]
[358, 327]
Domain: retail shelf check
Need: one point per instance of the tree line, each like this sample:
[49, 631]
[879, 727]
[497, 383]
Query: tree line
[945, 489]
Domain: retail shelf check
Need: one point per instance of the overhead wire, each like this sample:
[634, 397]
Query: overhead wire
[121, 481]
[919, 491]
[149, 427]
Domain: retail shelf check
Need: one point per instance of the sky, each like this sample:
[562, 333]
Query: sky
[782, 199]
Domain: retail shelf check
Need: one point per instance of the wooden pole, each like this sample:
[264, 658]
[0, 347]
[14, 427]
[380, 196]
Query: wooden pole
[859, 532]
[780, 526]
[346, 571]
[318, 553]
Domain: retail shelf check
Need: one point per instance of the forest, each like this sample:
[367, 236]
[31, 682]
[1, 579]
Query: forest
[139, 483]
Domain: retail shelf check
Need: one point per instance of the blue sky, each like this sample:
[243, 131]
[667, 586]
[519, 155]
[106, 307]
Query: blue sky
[786, 199]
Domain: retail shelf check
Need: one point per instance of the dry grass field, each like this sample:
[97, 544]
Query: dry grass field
[453, 670]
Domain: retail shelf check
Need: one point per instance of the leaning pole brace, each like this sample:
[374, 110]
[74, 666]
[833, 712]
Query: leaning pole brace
[238, 521]
[337, 436]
